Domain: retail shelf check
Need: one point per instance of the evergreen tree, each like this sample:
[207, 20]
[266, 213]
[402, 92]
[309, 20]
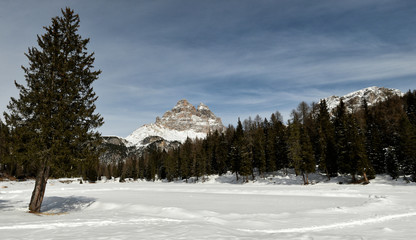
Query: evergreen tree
[134, 166]
[278, 142]
[246, 158]
[392, 161]
[407, 147]
[312, 127]
[229, 138]
[121, 170]
[294, 145]
[326, 150]
[258, 150]
[300, 148]
[4, 148]
[199, 159]
[221, 154]
[408, 134]
[53, 120]
[186, 159]
[216, 151]
[410, 105]
[374, 147]
[356, 159]
[387, 115]
[236, 149]
[340, 125]
[268, 147]
[161, 166]
[153, 164]
[308, 160]
[171, 164]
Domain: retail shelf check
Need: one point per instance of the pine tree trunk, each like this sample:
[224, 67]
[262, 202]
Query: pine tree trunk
[39, 191]
[354, 180]
[365, 178]
[305, 179]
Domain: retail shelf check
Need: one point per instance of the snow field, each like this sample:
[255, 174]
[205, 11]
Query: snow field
[383, 209]
[136, 138]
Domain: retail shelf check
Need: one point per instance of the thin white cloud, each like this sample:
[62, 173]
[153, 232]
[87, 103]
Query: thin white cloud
[239, 57]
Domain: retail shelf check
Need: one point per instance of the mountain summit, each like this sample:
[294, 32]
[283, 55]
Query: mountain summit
[177, 124]
[355, 99]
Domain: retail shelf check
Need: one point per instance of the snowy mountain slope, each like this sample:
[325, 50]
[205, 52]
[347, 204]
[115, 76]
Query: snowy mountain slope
[355, 99]
[154, 129]
[177, 124]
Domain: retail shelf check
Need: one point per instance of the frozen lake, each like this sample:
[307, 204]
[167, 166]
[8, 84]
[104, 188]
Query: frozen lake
[212, 210]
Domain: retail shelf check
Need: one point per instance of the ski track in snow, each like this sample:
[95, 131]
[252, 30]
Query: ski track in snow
[335, 225]
[89, 223]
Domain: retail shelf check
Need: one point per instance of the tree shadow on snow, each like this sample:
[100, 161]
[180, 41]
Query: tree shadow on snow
[4, 204]
[65, 204]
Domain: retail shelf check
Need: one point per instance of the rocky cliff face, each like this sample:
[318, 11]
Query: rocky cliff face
[177, 124]
[354, 100]
[185, 117]
[114, 149]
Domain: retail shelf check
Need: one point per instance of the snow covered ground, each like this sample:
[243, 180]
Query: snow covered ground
[275, 208]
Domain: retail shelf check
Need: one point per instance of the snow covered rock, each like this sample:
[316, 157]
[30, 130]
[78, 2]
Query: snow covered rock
[177, 124]
[355, 99]
[114, 140]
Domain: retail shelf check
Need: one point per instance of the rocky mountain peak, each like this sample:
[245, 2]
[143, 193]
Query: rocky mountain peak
[354, 100]
[202, 106]
[184, 116]
[183, 106]
[179, 123]
[204, 111]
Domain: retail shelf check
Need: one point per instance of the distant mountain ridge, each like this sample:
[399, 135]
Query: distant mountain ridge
[177, 124]
[354, 100]
[184, 120]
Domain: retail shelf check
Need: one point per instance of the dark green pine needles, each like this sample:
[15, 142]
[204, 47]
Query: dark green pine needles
[54, 118]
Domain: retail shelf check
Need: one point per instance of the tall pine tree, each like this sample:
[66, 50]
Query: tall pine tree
[294, 145]
[236, 150]
[278, 142]
[4, 149]
[356, 159]
[308, 160]
[54, 119]
[374, 147]
[407, 147]
[410, 106]
[327, 147]
[341, 125]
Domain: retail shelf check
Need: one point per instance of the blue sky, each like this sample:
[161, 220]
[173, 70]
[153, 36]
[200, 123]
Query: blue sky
[241, 58]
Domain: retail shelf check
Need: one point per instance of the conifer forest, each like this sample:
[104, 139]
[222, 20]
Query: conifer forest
[373, 140]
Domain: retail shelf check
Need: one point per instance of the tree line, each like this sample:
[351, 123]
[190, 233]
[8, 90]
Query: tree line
[378, 139]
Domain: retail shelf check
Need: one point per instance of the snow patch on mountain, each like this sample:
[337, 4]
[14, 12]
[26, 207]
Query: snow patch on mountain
[153, 129]
[354, 100]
